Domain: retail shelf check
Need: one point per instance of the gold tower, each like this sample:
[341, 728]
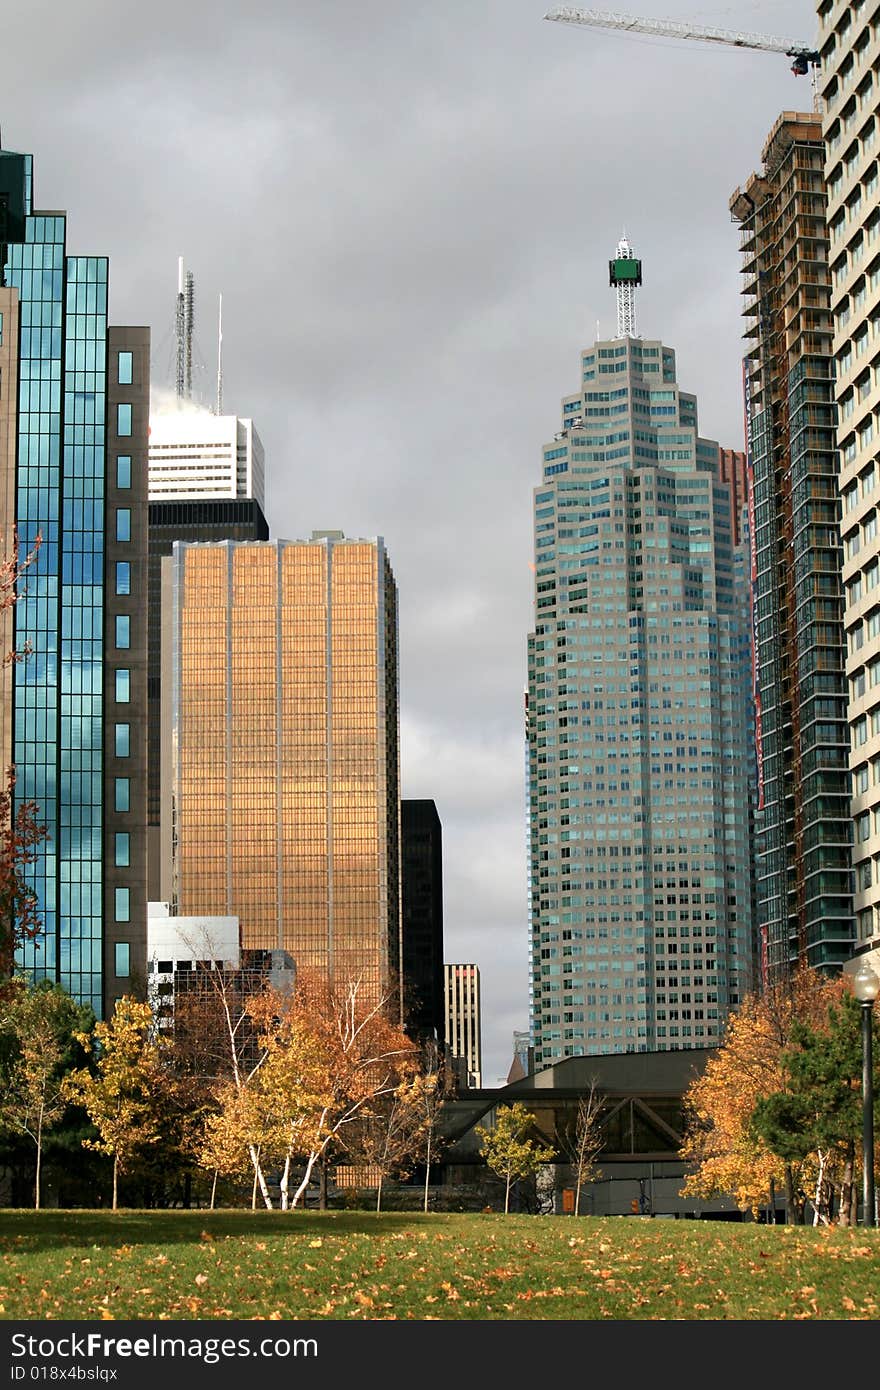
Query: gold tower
[280, 755]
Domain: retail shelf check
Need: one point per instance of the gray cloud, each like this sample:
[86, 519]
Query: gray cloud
[409, 209]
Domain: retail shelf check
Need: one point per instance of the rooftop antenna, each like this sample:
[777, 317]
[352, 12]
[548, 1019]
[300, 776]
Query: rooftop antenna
[220, 358]
[625, 274]
[180, 330]
[190, 324]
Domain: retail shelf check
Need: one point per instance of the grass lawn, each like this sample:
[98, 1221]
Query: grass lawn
[358, 1265]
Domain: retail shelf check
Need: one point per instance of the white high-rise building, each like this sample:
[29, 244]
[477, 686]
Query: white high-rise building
[195, 455]
[849, 42]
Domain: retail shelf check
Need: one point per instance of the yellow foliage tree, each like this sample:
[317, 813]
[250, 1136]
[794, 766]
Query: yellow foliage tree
[122, 1096]
[728, 1158]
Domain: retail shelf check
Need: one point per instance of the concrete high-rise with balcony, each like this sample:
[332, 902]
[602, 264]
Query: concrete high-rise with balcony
[638, 722]
[803, 820]
[849, 43]
[74, 396]
[464, 1023]
[280, 801]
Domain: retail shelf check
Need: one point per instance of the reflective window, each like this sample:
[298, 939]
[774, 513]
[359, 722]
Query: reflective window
[123, 523]
[123, 740]
[122, 849]
[123, 686]
[123, 956]
[123, 470]
[123, 577]
[123, 630]
[124, 377]
[123, 419]
[121, 796]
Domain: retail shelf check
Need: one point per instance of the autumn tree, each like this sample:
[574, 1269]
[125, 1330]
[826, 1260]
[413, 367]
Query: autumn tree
[432, 1085]
[360, 1057]
[726, 1153]
[509, 1148]
[217, 1052]
[818, 1110]
[122, 1095]
[39, 1026]
[387, 1134]
[579, 1137]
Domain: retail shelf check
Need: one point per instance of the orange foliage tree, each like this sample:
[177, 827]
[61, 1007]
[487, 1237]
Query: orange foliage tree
[726, 1154]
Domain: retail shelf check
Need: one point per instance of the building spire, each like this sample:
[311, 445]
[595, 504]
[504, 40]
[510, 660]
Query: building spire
[625, 273]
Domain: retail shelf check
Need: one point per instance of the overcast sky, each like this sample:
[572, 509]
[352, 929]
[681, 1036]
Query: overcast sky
[408, 209]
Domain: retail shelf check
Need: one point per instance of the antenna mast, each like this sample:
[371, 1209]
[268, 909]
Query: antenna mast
[190, 323]
[625, 274]
[180, 331]
[220, 358]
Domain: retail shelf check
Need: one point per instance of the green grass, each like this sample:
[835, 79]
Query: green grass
[150, 1265]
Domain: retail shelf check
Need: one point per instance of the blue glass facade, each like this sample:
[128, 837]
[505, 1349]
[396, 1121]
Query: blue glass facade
[60, 467]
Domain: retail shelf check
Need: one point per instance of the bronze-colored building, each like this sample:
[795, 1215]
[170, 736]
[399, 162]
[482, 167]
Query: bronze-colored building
[280, 797]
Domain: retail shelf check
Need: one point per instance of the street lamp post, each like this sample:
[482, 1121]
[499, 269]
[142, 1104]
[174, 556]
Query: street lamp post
[866, 987]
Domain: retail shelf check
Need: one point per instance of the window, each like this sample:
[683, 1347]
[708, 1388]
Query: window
[123, 577]
[122, 961]
[122, 907]
[123, 419]
[123, 523]
[123, 686]
[123, 740]
[123, 630]
[125, 363]
[122, 850]
[123, 470]
[122, 796]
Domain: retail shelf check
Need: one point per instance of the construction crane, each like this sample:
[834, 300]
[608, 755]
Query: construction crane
[804, 55]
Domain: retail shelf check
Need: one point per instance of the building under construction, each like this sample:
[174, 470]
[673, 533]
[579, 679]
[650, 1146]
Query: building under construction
[803, 822]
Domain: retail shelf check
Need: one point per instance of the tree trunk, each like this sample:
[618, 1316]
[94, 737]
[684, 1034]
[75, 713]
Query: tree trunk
[820, 1201]
[310, 1163]
[379, 1192]
[322, 1183]
[847, 1186]
[39, 1159]
[507, 1196]
[259, 1176]
[772, 1213]
[285, 1183]
[794, 1212]
[115, 1178]
[427, 1169]
[577, 1196]
[214, 1188]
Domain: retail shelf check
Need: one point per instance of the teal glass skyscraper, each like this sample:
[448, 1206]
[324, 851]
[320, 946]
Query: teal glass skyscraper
[73, 429]
[640, 759]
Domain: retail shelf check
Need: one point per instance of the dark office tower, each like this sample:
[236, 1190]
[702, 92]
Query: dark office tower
[206, 481]
[73, 439]
[803, 824]
[732, 468]
[421, 863]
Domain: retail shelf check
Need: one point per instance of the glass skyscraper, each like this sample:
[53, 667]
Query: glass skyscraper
[73, 421]
[280, 758]
[639, 743]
